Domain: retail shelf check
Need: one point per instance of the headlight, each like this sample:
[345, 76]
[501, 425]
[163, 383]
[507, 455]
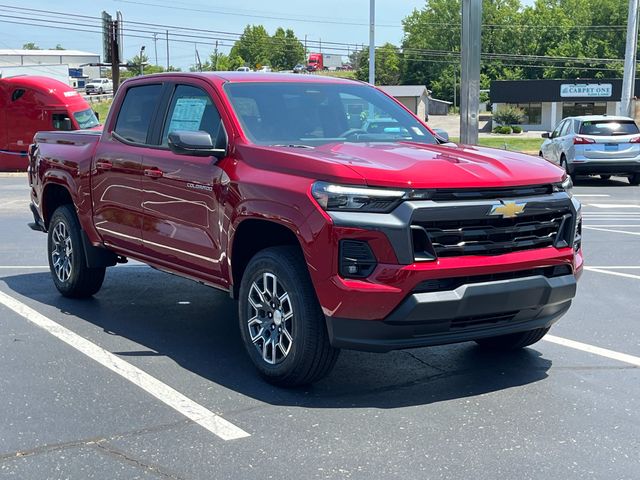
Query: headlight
[346, 198]
[565, 186]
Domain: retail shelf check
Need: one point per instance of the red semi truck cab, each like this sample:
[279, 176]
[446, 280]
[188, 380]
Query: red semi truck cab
[330, 234]
[29, 104]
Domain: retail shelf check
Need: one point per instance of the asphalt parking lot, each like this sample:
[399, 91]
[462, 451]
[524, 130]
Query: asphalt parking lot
[149, 379]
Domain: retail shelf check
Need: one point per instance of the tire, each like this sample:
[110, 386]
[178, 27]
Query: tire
[67, 262]
[605, 177]
[540, 154]
[513, 341]
[634, 179]
[302, 354]
[100, 91]
[565, 165]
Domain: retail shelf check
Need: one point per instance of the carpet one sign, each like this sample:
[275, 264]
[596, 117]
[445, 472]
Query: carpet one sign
[587, 90]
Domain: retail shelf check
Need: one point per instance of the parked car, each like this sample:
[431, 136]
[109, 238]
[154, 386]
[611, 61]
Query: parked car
[299, 68]
[265, 69]
[328, 235]
[99, 85]
[243, 69]
[29, 104]
[595, 145]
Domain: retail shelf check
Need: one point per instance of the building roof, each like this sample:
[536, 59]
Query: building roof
[405, 90]
[46, 53]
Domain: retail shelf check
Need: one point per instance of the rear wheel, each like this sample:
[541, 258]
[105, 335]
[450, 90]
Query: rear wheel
[634, 179]
[605, 177]
[67, 262]
[281, 322]
[513, 341]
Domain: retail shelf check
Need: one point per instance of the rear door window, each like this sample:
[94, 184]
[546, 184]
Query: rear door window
[136, 112]
[609, 127]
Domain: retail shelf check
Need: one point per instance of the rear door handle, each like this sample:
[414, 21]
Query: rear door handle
[104, 165]
[153, 172]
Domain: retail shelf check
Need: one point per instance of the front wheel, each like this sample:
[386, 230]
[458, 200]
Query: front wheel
[634, 179]
[513, 341]
[281, 322]
[67, 262]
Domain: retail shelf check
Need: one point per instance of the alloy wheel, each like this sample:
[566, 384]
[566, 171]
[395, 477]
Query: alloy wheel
[62, 252]
[270, 320]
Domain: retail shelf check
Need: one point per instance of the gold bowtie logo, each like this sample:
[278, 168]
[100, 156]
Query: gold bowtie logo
[508, 209]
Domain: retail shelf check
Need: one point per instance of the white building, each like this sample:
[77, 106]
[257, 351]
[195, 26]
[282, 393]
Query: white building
[546, 102]
[40, 62]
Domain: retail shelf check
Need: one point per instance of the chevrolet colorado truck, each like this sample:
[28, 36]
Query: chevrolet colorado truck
[330, 234]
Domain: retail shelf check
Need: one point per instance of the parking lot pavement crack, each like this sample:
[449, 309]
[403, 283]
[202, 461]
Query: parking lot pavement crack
[90, 441]
[108, 449]
[423, 362]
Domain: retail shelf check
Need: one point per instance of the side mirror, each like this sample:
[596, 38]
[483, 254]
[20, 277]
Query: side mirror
[197, 143]
[442, 134]
[66, 125]
[546, 135]
[97, 114]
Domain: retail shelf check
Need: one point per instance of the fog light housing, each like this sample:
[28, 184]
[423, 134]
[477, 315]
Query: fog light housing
[356, 260]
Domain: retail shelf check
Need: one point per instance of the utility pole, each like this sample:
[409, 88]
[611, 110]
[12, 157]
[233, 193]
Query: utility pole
[305, 45]
[215, 65]
[470, 71]
[141, 61]
[167, 32]
[115, 56]
[628, 82]
[155, 45]
[455, 88]
[372, 42]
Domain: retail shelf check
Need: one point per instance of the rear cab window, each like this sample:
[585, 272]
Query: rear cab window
[609, 128]
[136, 113]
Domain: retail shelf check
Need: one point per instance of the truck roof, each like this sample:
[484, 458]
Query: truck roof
[57, 93]
[258, 77]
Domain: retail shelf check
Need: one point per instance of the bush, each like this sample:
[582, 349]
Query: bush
[509, 115]
[502, 130]
[516, 129]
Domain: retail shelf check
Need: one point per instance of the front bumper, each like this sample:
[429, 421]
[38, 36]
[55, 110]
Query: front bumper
[467, 313]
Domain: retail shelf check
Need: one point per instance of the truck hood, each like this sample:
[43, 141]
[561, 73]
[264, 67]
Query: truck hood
[413, 165]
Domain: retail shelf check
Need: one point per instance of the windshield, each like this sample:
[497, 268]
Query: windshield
[609, 127]
[86, 119]
[313, 114]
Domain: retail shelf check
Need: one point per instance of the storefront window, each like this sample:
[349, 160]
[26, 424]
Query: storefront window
[578, 109]
[532, 113]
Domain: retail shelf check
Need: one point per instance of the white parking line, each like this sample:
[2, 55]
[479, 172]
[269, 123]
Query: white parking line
[163, 392]
[611, 230]
[613, 205]
[615, 267]
[591, 195]
[608, 272]
[585, 347]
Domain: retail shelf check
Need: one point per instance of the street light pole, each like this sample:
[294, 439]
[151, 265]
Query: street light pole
[141, 62]
[372, 42]
[628, 82]
[470, 71]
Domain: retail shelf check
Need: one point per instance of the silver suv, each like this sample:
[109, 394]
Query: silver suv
[595, 145]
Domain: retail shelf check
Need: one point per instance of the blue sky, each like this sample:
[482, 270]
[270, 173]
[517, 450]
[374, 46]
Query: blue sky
[330, 19]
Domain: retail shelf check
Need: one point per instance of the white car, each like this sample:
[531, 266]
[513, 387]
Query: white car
[595, 145]
[243, 69]
[99, 86]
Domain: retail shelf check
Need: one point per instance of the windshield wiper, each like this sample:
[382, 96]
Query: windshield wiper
[292, 145]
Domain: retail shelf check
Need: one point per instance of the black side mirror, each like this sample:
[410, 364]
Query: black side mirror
[198, 143]
[546, 135]
[67, 125]
[97, 114]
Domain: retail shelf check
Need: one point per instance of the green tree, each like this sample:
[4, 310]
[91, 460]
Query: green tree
[254, 46]
[30, 46]
[59, 47]
[388, 62]
[286, 50]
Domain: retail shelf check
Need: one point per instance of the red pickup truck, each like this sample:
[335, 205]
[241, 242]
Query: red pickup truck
[331, 235]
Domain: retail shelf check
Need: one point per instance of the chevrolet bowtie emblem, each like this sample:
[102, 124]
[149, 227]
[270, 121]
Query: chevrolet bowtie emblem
[508, 209]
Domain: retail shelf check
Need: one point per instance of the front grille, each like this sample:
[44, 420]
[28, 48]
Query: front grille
[492, 235]
[444, 195]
